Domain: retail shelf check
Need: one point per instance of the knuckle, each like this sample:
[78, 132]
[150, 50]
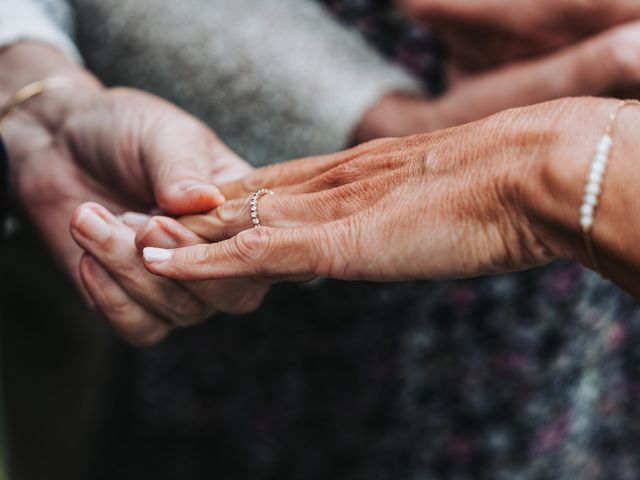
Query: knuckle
[145, 234]
[252, 245]
[338, 175]
[253, 182]
[130, 272]
[196, 256]
[116, 307]
[346, 246]
[164, 194]
[230, 212]
[184, 309]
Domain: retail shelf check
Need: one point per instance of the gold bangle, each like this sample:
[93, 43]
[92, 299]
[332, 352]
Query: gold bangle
[34, 89]
[595, 180]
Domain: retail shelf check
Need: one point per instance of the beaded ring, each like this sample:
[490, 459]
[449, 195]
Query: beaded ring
[254, 205]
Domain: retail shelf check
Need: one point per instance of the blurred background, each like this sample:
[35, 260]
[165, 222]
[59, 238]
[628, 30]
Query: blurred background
[452, 380]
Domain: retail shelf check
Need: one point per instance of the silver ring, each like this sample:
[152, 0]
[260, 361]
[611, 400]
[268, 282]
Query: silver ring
[254, 205]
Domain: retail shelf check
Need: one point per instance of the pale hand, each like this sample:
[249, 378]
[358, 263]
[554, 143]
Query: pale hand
[126, 150]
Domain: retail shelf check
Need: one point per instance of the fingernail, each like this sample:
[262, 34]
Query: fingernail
[92, 226]
[204, 190]
[134, 219]
[156, 255]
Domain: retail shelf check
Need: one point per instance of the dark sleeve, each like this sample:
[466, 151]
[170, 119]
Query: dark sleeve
[4, 187]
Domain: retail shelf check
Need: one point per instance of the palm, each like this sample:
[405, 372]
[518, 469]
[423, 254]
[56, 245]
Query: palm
[62, 186]
[138, 145]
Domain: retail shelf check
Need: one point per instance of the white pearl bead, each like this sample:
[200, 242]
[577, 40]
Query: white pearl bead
[595, 177]
[586, 210]
[590, 199]
[598, 166]
[605, 144]
[586, 221]
[593, 188]
[601, 157]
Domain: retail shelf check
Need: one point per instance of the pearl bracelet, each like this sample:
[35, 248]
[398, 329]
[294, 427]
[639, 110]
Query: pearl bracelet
[593, 187]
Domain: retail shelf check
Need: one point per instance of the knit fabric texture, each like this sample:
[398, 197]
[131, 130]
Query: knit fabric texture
[47, 21]
[276, 79]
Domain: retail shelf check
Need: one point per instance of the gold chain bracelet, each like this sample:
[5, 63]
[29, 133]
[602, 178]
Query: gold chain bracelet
[34, 89]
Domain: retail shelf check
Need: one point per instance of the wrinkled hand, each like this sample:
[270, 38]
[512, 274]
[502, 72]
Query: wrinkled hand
[126, 150]
[498, 195]
[430, 206]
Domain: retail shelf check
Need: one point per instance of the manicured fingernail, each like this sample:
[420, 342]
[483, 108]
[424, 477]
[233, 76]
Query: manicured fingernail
[134, 219]
[92, 226]
[156, 255]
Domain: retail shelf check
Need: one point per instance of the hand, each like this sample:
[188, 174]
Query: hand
[606, 63]
[484, 34]
[499, 195]
[142, 307]
[123, 149]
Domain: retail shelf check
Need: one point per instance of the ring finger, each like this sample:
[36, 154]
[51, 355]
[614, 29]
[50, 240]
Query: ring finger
[288, 211]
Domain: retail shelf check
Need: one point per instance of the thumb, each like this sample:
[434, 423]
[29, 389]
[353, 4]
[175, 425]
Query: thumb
[183, 158]
[182, 187]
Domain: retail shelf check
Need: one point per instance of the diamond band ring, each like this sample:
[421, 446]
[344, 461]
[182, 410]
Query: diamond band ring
[254, 205]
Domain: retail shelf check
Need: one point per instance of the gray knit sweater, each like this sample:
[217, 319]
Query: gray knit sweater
[276, 79]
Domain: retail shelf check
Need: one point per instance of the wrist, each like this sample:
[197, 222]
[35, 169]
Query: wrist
[24, 63]
[554, 195]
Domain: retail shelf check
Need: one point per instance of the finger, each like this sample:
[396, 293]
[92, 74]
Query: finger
[165, 232]
[588, 68]
[183, 157]
[259, 252]
[292, 172]
[134, 220]
[134, 323]
[112, 244]
[290, 211]
[234, 296]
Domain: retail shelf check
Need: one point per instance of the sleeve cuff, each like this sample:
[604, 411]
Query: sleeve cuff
[24, 20]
